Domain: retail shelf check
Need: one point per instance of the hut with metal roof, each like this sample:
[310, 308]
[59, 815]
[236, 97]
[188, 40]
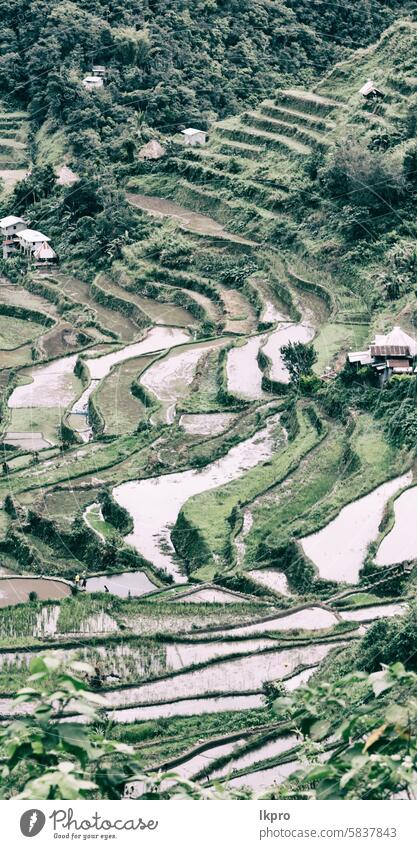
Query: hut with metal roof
[393, 353]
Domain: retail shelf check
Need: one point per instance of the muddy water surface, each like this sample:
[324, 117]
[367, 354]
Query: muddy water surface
[179, 655]
[272, 579]
[277, 339]
[268, 750]
[16, 590]
[51, 385]
[155, 503]
[241, 674]
[339, 549]
[401, 542]
[244, 377]
[208, 424]
[309, 619]
[170, 378]
[189, 707]
[379, 611]
[133, 583]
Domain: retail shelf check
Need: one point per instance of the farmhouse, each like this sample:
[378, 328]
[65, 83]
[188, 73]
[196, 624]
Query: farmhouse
[193, 137]
[10, 226]
[370, 92]
[390, 354]
[93, 82]
[30, 240]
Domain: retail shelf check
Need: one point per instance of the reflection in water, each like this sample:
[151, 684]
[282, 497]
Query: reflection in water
[155, 503]
[401, 542]
[339, 549]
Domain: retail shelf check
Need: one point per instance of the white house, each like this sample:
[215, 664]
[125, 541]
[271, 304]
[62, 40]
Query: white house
[10, 225]
[29, 240]
[93, 82]
[193, 136]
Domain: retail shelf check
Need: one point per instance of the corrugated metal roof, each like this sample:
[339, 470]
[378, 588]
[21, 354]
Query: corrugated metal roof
[397, 362]
[390, 351]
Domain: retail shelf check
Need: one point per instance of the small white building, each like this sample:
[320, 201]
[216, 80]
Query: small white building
[30, 240]
[98, 71]
[193, 136]
[10, 225]
[93, 82]
[370, 91]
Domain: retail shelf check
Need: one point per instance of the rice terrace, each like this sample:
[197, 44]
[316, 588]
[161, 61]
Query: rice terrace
[208, 387]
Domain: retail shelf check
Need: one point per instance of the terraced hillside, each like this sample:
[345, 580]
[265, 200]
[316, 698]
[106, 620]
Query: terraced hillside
[180, 508]
[14, 156]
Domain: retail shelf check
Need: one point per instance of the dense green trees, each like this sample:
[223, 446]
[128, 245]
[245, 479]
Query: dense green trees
[299, 360]
[360, 733]
[42, 759]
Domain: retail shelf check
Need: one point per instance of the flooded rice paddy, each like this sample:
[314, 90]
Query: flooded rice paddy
[401, 542]
[180, 655]
[209, 595]
[16, 590]
[51, 385]
[207, 424]
[239, 675]
[277, 339]
[272, 579]
[123, 585]
[379, 611]
[244, 377]
[271, 749]
[155, 503]
[157, 339]
[265, 778]
[169, 378]
[188, 707]
[338, 550]
[309, 619]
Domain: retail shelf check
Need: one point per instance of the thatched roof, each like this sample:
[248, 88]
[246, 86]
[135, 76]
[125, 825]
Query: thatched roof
[152, 150]
[66, 176]
[44, 251]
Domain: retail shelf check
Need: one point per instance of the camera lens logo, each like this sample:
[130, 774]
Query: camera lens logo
[32, 822]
